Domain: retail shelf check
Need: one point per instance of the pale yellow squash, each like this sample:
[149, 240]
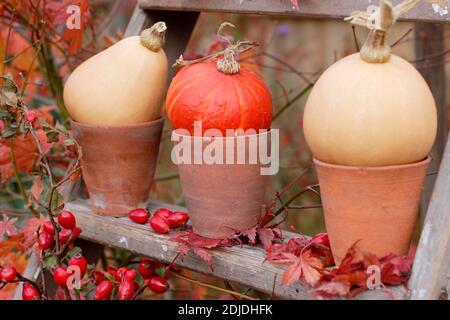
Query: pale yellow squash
[124, 84]
[370, 109]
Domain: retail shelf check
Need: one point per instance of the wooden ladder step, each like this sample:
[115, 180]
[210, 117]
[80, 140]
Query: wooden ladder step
[242, 264]
[330, 9]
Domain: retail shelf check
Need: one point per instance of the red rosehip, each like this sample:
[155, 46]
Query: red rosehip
[112, 272]
[75, 234]
[126, 290]
[103, 290]
[64, 236]
[30, 117]
[120, 274]
[160, 225]
[139, 215]
[67, 220]
[130, 275]
[177, 219]
[45, 240]
[146, 268]
[48, 227]
[157, 284]
[29, 292]
[163, 213]
[60, 276]
[98, 277]
[79, 261]
[8, 274]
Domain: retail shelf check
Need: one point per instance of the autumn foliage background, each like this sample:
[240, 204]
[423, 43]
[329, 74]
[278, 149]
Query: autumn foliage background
[39, 52]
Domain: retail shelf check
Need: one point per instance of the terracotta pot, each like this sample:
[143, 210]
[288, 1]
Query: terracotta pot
[376, 206]
[118, 164]
[223, 198]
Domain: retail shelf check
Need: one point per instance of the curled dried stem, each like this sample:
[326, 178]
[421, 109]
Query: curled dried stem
[228, 64]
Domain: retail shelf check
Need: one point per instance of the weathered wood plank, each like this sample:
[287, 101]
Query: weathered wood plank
[331, 9]
[433, 253]
[179, 29]
[244, 264]
[429, 46]
[138, 22]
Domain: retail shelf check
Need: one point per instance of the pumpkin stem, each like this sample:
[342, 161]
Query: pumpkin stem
[376, 49]
[379, 20]
[153, 38]
[228, 64]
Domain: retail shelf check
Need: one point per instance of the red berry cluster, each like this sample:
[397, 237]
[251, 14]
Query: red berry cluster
[162, 220]
[61, 274]
[29, 292]
[67, 230]
[66, 225]
[125, 279]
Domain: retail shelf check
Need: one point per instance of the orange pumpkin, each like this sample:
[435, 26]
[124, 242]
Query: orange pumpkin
[221, 99]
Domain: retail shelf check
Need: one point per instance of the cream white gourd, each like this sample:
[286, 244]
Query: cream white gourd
[372, 108]
[124, 84]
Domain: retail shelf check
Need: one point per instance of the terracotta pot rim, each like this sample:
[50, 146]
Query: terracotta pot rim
[134, 125]
[380, 168]
[176, 132]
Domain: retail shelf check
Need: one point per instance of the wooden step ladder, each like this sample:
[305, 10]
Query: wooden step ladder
[245, 265]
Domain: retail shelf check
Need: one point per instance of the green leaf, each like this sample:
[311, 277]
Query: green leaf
[72, 252]
[69, 142]
[56, 201]
[50, 262]
[10, 85]
[52, 136]
[109, 277]
[45, 125]
[4, 114]
[9, 133]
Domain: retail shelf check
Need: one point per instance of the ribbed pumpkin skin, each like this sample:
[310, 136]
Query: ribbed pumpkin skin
[220, 101]
[369, 114]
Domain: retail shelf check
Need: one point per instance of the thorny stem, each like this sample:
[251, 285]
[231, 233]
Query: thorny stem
[43, 156]
[139, 292]
[7, 41]
[292, 101]
[401, 38]
[298, 194]
[313, 206]
[210, 286]
[16, 172]
[27, 76]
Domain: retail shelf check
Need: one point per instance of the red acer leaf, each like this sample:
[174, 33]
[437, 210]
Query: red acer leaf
[7, 227]
[306, 266]
[321, 238]
[199, 245]
[266, 236]
[356, 268]
[75, 39]
[205, 255]
[250, 234]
